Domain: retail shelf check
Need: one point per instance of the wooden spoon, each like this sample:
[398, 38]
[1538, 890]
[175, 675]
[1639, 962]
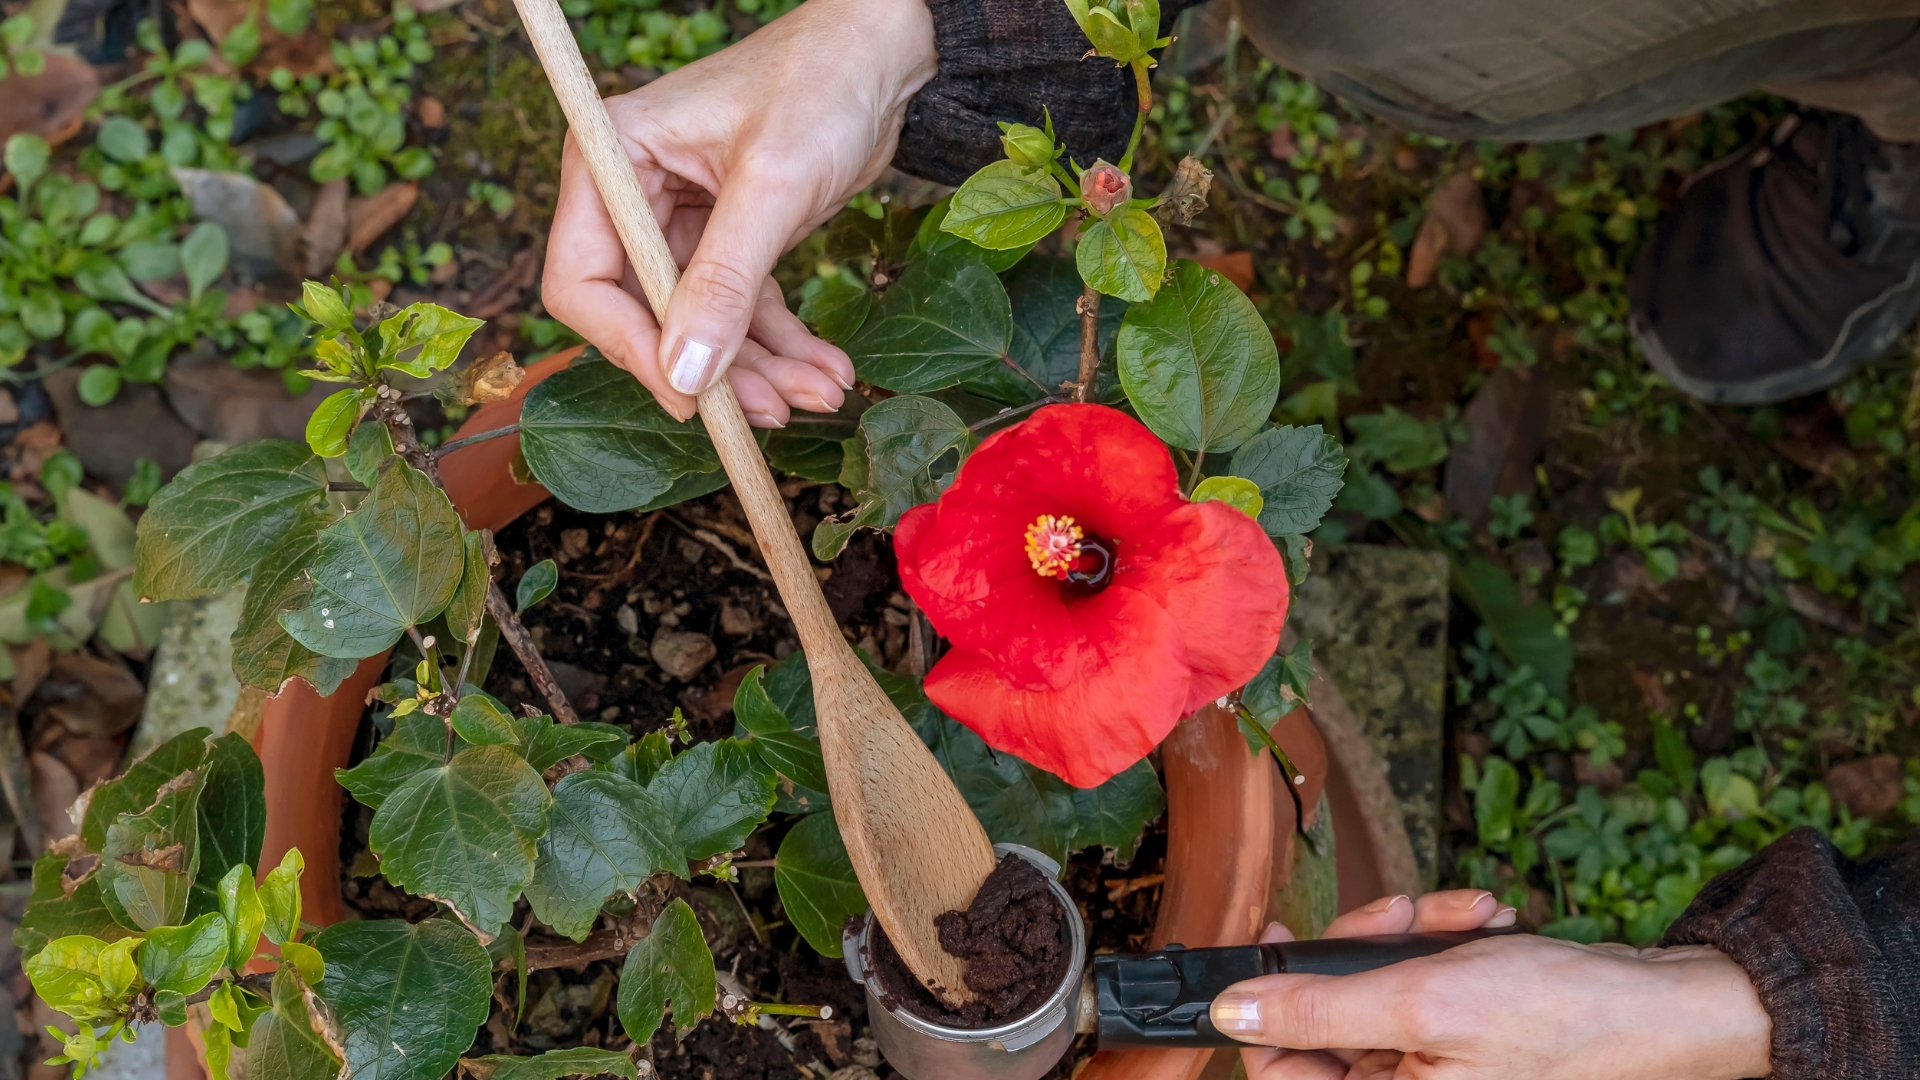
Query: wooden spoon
[915, 844]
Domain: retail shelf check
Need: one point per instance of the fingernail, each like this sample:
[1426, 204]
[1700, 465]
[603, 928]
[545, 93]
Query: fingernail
[845, 384]
[764, 419]
[1506, 916]
[819, 404]
[693, 366]
[1477, 900]
[1236, 1014]
[1384, 904]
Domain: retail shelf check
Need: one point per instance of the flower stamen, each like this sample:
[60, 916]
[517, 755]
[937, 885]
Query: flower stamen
[1053, 545]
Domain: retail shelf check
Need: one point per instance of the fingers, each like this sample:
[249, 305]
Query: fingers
[799, 385]
[1319, 1012]
[1387, 915]
[583, 284]
[720, 291]
[1270, 1063]
[782, 332]
[1461, 909]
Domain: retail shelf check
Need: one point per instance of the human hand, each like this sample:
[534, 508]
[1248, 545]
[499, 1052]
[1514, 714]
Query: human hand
[740, 155]
[1511, 1006]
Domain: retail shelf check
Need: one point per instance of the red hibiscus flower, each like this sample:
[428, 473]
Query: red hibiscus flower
[1089, 604]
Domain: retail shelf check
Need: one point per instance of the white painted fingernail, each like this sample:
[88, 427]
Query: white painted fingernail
[818, 403]
[764, 419]
[693, 366]
[1236, 1013]
[1505, 917]
[1383, 905]
[844, 383]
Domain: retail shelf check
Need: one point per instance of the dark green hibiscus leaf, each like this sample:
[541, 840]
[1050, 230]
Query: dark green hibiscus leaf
[600, 442]
[265, 656]
[793, 754]
[408, 997]
[418, 742]
[1046, 335]
[148, 864]
[1298, 471]
[283, 1044]
[717, 793]
[210, 527]
[817, 885]
[51, 913]
[553, 1065]
[233, 817]
[135, 789]
[1115, 813]
[903, 442]
[606, 835]
[391, 564]
[835, 306]
[672, 966]
[934, 240]
[546, 744]
[464, 833]
[945, 321]
[1198, 363]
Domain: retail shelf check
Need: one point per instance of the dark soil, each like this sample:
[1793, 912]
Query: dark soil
[1012, 938]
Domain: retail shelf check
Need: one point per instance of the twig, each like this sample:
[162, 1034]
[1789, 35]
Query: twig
[451, 445]
[521, 642]
[1025, 374]
[708, 538]
[1118, 889]
[1089, 308]
[1016, 410]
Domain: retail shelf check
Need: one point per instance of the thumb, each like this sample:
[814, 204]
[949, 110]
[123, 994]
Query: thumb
[708, 317]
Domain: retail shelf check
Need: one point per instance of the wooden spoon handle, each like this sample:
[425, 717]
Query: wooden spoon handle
[653, 264]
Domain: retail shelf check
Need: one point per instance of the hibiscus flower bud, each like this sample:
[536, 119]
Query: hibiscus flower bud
[1026, 146]
[1104, 187]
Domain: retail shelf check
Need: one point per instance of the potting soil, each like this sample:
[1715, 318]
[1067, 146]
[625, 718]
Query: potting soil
[1012, 940]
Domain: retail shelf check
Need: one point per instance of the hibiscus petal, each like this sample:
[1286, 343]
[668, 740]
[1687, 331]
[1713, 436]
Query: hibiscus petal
[1130, 692]
[1221, 579]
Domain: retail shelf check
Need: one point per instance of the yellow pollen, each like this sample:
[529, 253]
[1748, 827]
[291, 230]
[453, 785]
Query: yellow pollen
[1053, 545]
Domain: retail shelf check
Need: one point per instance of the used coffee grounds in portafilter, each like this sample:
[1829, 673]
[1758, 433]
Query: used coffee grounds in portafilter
[1012, 938]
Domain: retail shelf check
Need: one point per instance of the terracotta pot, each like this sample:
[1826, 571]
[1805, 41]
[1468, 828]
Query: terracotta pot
[1231, 825]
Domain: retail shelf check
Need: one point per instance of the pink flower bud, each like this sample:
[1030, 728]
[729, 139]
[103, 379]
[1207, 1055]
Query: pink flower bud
[1104, 187]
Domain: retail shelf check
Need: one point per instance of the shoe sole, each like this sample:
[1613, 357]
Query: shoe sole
[1846, 356]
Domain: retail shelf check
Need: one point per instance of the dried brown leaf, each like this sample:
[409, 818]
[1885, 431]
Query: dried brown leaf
[1455, 224]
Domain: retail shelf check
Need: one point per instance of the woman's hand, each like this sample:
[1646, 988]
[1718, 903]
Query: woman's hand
[740, 156]
[1520, 1006]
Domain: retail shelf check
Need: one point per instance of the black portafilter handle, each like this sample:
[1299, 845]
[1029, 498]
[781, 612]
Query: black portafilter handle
[1161, 998]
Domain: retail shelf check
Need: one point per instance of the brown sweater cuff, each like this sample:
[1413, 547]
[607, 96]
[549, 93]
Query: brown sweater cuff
[1832, 946]
[1007, 60]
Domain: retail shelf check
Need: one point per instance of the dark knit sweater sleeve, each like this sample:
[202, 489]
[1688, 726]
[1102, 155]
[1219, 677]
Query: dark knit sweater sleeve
[1008, 60]
[1832, 946]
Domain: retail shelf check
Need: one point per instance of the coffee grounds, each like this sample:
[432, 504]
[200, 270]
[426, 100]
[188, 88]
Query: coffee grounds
[1013, 940]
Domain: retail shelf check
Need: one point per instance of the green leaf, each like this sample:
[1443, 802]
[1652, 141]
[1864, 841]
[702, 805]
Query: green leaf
[242, 43]
[1523, 631]
[332, 422]
[209, 528]
[85, 977]
[280, 898]
[283, 1043]
[1298, 471]
[1118, 811]
[553, 1065]
[244, 914]
[1006, 205]
[606, 835]
[306, 959]
[1046, 335]
[817, 885]
[1400, 442]
[945, 321]
[123, 139]
[1240, 493]
[391, 564]
[233, 816]
[437, 333]
[203, 255]
[408, 996]
[672, 966]
[464, 833]
[1123, 255]
[717, 793]
[148, 864]
[536, 584]
[419, 742]
[835, 306]
[545, 744]
[370, 446]
[185, 958]
[794, 755]
[26, 158]
[265, 656]
[643, 760]
[99, 384]
[136, 789]
[931, 241]
[482, 721]
[1198, 363]
[903, 439]
[600, 442]
[51, 913]
[467, 611]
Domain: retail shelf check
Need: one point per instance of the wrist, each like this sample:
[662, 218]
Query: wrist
[1730, 1033]
[896, 42]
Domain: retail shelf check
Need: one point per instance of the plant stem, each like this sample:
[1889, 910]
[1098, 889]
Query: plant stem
[1089, 308]
[1016, 410]
[450, 446]
[389, 410]
[1145, 93]
[1193, 478]
[774, 1008]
